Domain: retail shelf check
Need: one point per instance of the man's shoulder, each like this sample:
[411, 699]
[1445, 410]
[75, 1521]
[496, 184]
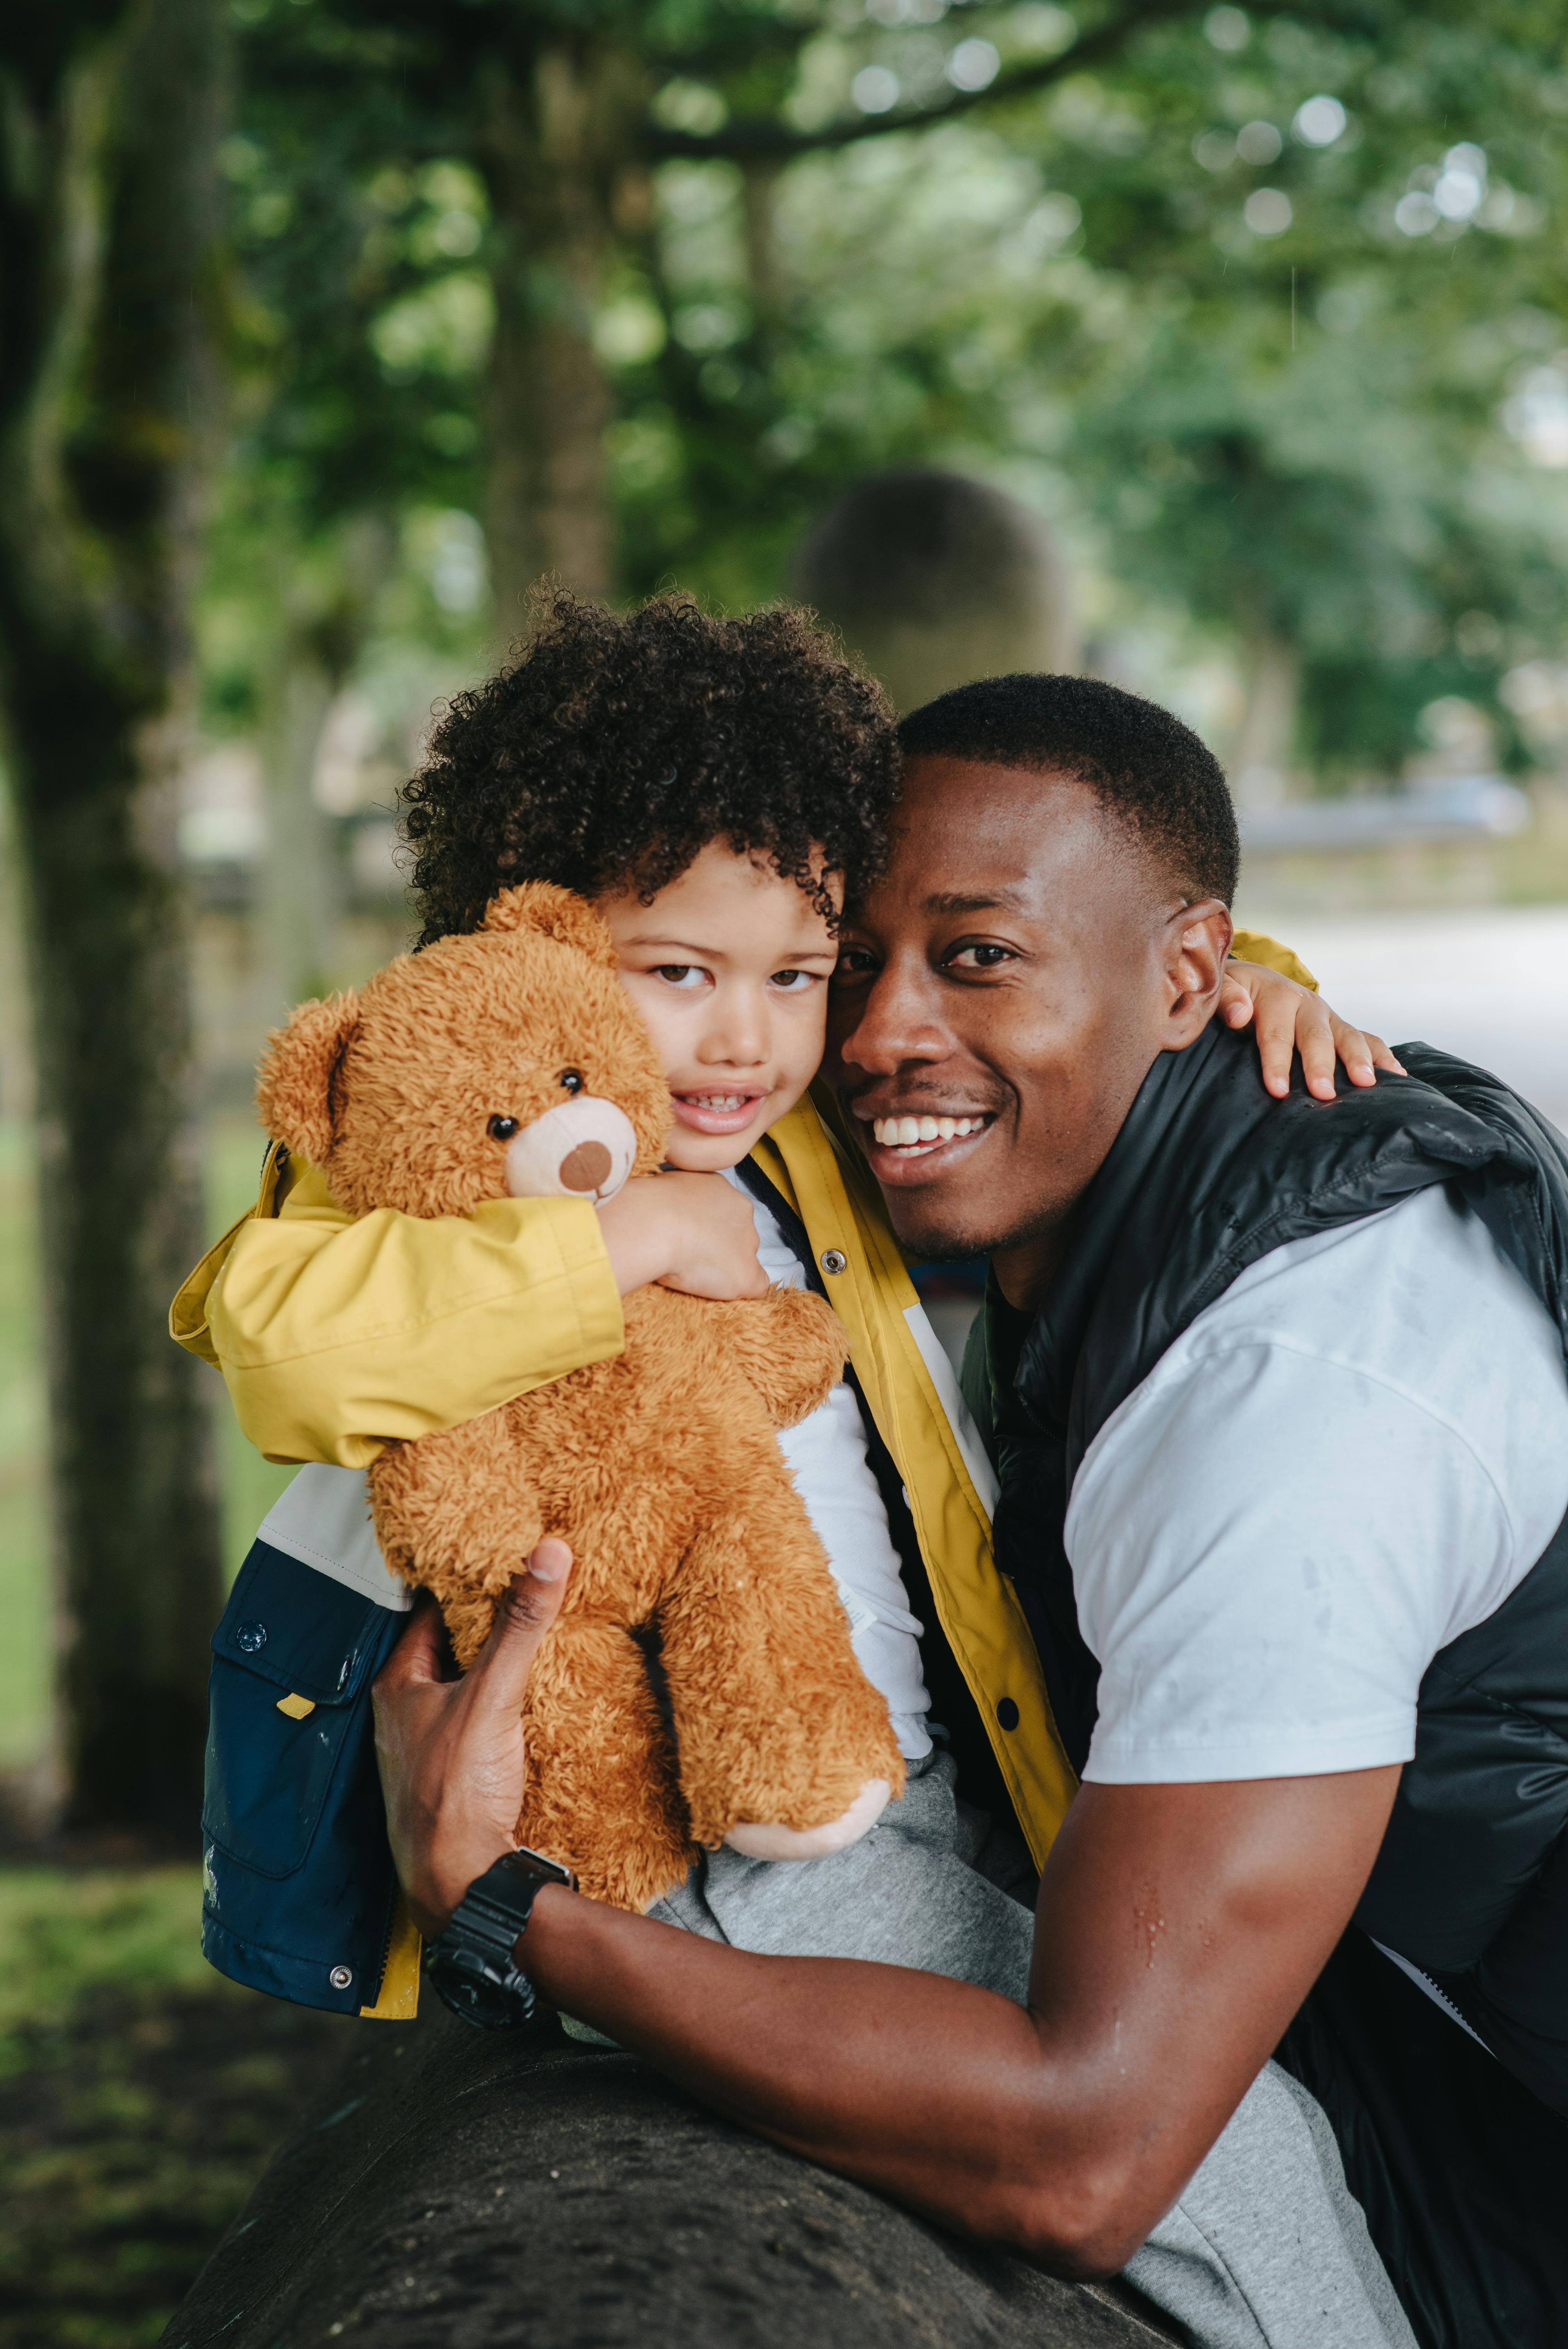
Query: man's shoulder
[1418, 1296]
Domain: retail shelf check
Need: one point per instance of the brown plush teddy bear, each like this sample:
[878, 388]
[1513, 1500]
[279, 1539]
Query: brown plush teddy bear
[513, 1060]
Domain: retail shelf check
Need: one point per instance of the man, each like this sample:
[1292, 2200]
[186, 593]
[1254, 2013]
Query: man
[1277, 1401]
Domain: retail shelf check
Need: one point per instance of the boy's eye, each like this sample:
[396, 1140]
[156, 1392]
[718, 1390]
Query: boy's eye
[501, 1129]
[680, 973]
[572, 1080]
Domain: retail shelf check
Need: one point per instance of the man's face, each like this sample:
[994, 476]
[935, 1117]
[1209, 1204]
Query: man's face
[1001, 996]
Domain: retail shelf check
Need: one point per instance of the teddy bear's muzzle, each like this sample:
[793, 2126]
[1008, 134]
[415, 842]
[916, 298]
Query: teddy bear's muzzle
[584, 1150]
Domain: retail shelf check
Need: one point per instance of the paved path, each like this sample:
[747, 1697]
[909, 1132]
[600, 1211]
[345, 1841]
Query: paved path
[1489, 984]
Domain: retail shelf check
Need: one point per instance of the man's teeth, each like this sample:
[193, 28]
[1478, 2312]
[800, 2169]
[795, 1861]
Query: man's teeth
[895, 1133]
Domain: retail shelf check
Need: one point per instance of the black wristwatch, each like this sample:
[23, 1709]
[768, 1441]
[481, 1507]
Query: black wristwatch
[470, 1968]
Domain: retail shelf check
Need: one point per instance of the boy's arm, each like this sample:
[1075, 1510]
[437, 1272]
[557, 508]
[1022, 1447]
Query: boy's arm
[1257, 946]
[337, 1335]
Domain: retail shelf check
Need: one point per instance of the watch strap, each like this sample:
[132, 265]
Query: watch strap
[471, 1967]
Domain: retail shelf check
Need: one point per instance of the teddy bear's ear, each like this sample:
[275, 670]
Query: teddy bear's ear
[293, 1087]
[559, 914]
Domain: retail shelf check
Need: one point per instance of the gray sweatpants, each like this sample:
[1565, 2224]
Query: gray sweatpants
[1267, 2249]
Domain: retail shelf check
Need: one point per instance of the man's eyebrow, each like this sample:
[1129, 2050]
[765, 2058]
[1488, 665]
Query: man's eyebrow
[984, 901]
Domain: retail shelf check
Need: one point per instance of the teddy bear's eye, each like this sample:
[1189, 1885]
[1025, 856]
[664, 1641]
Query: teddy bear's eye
[572, 1080]
[503, 1128]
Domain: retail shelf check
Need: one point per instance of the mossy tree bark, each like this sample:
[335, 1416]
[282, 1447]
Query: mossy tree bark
[557, 129]
[109, 118]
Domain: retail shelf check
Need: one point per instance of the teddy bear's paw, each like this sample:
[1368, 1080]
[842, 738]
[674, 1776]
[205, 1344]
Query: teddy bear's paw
[766, 1841]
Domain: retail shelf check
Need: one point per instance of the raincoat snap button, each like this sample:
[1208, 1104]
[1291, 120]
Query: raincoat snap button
[833, 1260]
[250, 1637]
[340, 1977]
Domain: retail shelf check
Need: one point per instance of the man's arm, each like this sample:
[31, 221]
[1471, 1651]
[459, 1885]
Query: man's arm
[1179, 1929]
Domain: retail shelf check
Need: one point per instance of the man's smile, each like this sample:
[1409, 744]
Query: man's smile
[902, 1135]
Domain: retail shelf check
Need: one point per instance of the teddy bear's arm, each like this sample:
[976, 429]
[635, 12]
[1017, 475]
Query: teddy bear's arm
[457, 1513]
[790, 1347]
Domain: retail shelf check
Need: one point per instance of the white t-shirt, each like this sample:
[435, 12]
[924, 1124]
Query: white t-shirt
[826, 1454]
[1352, 1456]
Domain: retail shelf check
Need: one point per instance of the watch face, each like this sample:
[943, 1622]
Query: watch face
[477, 1990]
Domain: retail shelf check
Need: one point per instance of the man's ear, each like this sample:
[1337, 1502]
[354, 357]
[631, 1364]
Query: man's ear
[559, 914]
[294, 1088]
[1197, 940]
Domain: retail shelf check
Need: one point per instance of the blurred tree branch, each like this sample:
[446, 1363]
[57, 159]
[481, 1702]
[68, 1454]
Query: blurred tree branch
[767, 139]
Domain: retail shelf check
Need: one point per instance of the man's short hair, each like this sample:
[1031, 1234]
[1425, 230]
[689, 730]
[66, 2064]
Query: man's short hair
[1144, 765]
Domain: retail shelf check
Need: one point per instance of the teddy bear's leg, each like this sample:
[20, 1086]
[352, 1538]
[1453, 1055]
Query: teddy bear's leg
[601, 1790]
[777, 1726]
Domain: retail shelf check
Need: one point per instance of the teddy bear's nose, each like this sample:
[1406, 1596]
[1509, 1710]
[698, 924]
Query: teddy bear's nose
[582, 1149]
[586, 1168]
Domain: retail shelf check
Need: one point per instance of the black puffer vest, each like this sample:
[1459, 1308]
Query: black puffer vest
[1207, 1175]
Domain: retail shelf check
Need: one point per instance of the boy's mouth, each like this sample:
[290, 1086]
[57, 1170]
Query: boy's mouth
[717, 1112]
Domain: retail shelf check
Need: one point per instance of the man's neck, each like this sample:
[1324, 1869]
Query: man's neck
[1025, 1272]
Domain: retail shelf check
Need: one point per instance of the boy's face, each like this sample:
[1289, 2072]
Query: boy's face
[729, 968]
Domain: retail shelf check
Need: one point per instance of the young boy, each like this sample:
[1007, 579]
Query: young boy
[715, 788]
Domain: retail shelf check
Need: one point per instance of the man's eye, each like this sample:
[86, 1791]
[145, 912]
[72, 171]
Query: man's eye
[979, 958]
[680, 973]
[854, 963]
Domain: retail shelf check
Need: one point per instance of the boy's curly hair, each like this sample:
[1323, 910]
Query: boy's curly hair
[616, 747]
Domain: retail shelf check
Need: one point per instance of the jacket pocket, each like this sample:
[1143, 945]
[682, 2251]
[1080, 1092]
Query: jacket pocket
[289, 1638]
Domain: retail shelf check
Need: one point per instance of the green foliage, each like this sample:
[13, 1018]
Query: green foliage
[1206, 282]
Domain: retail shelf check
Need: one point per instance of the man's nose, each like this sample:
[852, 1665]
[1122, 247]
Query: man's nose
[896, 1023]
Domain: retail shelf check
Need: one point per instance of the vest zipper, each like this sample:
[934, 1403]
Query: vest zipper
[1423, 1981]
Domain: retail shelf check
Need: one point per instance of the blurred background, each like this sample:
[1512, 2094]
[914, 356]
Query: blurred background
[1220, 352]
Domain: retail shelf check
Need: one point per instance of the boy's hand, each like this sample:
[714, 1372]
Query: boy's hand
[1291, 1018]
[692, 1232]
[450, 1750]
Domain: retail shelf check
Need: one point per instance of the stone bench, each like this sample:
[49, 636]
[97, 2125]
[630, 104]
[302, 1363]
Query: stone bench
[455, 2189]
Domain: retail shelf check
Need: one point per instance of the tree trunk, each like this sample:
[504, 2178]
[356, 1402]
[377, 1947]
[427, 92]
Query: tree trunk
[296, 908]
[554, 136]
[1261, 754]
[326, 596]
[108, 211]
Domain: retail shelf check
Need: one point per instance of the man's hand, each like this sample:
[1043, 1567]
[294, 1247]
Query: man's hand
[692, 1232]
[450, 1749]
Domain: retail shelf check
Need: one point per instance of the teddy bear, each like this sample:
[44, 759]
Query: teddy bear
[699, 1683]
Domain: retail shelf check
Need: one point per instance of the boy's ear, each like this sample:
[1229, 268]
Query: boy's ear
[559, 914]
[293, 1087]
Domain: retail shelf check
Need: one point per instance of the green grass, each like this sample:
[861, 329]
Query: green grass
[70, 1937]
[140, 2096]
[249, 1485]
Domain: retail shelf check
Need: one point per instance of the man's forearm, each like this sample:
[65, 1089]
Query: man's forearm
[944, 2097]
